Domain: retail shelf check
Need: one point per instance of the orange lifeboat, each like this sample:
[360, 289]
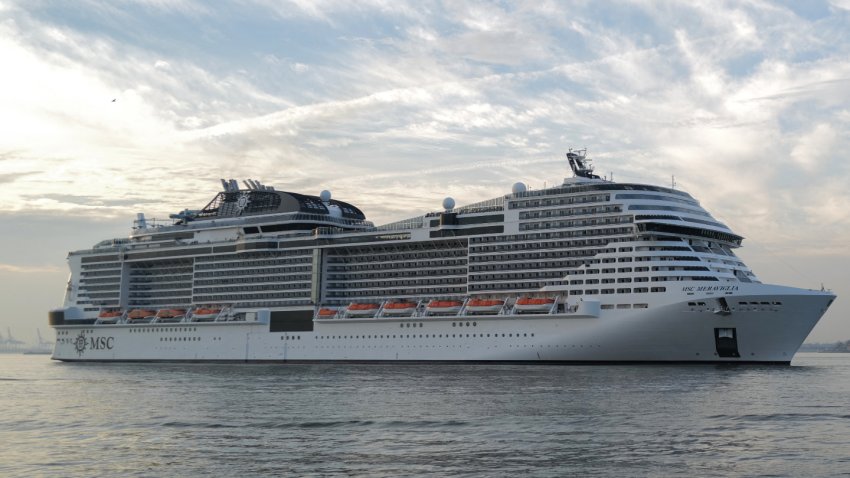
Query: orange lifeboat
[534, 304]
[170, 315]
[482, 306]
[109, 315]
[399, 308]
[140, 314]
[361, 310]
[206, 313]
[444, 306]
[327, 313]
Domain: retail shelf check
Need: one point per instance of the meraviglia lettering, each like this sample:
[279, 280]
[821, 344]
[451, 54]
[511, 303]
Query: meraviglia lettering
[710, 288]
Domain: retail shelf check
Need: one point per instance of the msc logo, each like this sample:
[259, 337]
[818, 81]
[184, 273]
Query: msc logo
[81, 343]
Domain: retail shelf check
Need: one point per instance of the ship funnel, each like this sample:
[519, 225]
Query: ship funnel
[141, 223]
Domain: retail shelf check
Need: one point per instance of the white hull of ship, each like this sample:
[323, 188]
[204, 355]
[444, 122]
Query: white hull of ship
[672, 332]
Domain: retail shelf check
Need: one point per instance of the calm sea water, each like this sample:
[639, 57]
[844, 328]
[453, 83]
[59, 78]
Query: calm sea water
[390, 420]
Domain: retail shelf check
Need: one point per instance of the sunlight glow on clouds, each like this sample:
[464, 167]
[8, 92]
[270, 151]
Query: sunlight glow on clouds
[738, 100]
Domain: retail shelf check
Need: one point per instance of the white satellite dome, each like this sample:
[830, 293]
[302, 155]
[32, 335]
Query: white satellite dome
[325, 195]
[519, 188]
[448, 203]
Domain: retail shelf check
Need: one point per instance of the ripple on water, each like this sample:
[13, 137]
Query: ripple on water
[321, 420]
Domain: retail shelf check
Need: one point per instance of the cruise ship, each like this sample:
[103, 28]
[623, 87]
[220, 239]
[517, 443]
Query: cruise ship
[590, 271]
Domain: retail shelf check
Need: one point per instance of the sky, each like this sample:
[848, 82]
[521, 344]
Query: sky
[109, 108]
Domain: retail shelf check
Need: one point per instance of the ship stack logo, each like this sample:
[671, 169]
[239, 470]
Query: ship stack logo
[80, 344]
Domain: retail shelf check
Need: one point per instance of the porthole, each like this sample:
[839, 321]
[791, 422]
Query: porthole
[454, 324]
[475, 324]
[467, 324]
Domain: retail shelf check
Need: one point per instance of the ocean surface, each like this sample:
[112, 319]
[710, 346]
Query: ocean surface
[82, 420]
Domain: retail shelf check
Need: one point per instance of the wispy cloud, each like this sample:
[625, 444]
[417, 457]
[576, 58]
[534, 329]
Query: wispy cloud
[18, 269]
[465, 98]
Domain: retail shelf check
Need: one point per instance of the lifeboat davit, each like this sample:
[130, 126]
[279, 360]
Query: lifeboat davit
[444, 306]
[327, 313]
[140, 314]
[361, 310]
[205, 313]
[534, 304]
[399, 308]
[109, 315]
[482, 306]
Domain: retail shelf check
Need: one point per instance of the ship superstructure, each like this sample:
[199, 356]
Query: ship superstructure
[588, 271]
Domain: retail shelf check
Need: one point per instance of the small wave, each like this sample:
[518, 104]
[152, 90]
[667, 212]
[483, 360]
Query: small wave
[198, 425]
[781, 417]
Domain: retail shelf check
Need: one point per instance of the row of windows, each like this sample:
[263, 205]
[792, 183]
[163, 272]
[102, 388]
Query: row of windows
[530, 226]
[103, 280]
[255, 279]
[160, 302]
[159, 279]
[337, 286]
[569, 212]
[254, 271]
[113, 301]
[558, 201]
[509, 286]
[161, 287]
[248, 297]
[251, 288]
[404, 273]
[256, 255]
[246, 263]
[527, 256]
[113, 286]
[162, 329]
[110, 273]
[400, 293]
[436, 263]
[433, 249]
[536, 237]
[272, 303]
[525, 265]
[422, 336]
[516, 275]
[624, 306]
[637, 290]
[99, 295]
[160, 271]
[381, 256]
[101, 265]
[520, 246]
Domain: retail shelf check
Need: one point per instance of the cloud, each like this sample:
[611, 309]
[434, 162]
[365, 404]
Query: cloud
[29, 269]
[12, 177]
[727, 98]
